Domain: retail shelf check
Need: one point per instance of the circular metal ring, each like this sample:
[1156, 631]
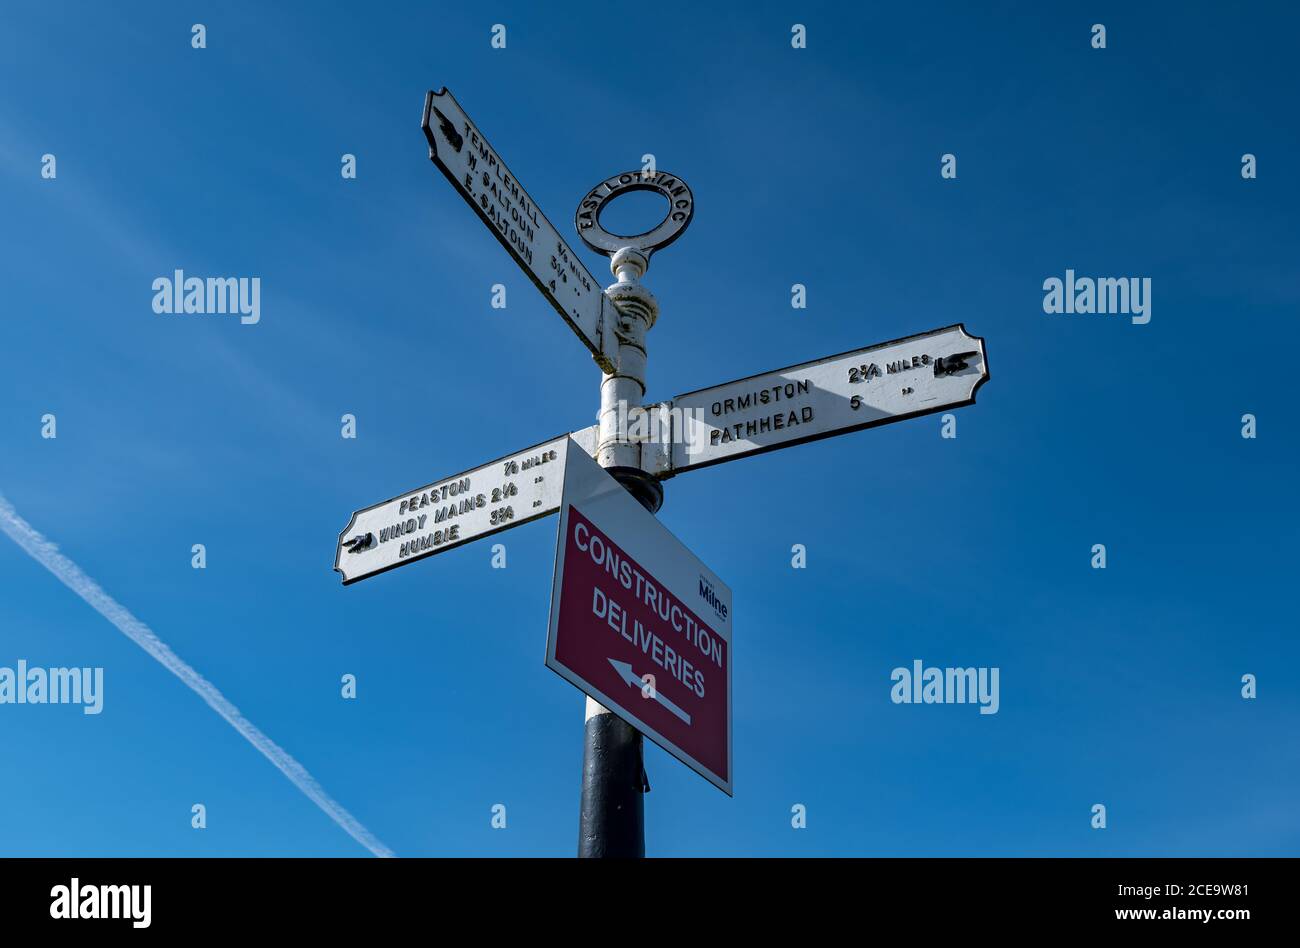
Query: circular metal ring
[681, 208]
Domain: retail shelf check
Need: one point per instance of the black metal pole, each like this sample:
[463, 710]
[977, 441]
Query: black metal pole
[611, 819]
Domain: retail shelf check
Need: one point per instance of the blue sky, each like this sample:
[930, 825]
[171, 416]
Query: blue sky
[818, 166]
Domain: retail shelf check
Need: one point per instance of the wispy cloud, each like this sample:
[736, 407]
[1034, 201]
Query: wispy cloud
[48, 555]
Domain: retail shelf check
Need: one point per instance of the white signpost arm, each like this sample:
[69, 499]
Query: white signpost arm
[878, 385]
[480, 176]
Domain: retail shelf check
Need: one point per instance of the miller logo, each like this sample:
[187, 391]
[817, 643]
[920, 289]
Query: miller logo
[709, 596]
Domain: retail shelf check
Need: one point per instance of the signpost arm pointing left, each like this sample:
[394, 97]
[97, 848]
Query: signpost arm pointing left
[480, 176]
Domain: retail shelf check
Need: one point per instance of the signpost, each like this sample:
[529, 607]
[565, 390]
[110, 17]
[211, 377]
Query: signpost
[892, 381]
[889, 382]
[639, 623]
[481, 177]
[439, 516]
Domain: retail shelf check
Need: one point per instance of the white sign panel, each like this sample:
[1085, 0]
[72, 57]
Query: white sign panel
[639, 623]
[501, 494]
[482, 178]
[901, 379]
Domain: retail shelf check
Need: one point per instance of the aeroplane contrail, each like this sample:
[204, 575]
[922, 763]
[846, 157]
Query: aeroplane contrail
[48, 555]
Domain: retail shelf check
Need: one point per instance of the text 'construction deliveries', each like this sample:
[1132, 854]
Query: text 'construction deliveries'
[640, 624]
